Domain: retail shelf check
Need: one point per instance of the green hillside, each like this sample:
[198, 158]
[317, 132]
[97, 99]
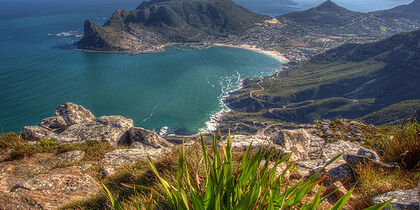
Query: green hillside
[351, 81]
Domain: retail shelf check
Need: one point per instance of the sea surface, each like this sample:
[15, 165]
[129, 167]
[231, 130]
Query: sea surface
[179, 89]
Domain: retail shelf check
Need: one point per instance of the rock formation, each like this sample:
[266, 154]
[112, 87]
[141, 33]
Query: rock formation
[75, 124]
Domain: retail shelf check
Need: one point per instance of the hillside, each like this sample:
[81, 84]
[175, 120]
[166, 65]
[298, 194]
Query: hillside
[409, 11]
[158, 22]
[327, 13]
[350, 81]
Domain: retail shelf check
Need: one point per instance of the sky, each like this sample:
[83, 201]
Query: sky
[25, 8]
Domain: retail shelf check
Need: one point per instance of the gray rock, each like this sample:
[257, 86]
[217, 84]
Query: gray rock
[75, 124]
[97, 131]
[37, 133]
[140, 137]
[242, 142]
[70, 114]
[341, 173]
[121, 157]
[403, 199]
[301, 143]
[368, 153]
[69, 157]
[356, 161]
[50, 124]
[335, 148]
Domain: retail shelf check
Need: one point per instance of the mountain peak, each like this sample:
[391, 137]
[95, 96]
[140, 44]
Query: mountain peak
[330, 6]
[415, 3]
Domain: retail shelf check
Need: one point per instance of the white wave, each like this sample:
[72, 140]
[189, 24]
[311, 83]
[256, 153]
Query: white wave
[151, 114]
[67, 33]
[228, 84]
[163, 131]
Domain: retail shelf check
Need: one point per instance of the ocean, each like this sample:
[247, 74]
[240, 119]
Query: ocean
[179, 89]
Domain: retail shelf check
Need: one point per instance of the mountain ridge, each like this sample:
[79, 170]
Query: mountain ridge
[158, 22]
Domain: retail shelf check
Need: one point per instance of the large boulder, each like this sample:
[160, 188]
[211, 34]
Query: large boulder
[112, 129]
[36, 133]
[369, 154]
[403, 199]
[356, 161]
[241, 143]
[70, 114]
[301, 143]
[140, 137]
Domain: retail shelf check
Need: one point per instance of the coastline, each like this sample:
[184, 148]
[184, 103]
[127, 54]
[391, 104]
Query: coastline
[211, 124]
[272, 53]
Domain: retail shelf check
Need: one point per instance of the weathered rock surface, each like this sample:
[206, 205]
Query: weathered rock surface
[369, 154]
[114, 130]
[70, 114]
[53, 189]
[242, 142]
[75, 124]
[121, 157]
[11, 172]
[46, 187]
[37, 133]
[140, 137]
[403, 199]
[355, 161]
[301, 143]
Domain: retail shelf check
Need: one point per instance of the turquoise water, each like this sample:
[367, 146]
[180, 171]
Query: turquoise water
[180, 89]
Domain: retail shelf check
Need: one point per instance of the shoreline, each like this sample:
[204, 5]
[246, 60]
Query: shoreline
[213, 122]
[271, 53]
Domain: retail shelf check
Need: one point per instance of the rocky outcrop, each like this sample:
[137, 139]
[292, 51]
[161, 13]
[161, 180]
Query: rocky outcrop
[50, 190]
[403, 199]
[75, 124]
[35, 182]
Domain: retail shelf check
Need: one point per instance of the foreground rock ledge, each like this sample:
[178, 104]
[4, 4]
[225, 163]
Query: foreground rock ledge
[75, 124]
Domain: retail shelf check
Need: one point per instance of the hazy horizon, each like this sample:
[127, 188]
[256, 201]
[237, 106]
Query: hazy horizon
[28, 8]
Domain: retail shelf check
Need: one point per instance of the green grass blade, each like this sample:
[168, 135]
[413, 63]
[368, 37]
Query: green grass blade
[381, 205]
[343, 200]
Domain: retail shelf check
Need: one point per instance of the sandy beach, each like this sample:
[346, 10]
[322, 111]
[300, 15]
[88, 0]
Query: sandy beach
[273, 53]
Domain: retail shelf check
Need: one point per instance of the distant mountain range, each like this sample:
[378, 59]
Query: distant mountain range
[352, 81]
[409, 11]
[156, 23]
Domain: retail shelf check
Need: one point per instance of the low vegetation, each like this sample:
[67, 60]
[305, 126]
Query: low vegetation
[401, 146]
[374, 182]
[15, 148]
